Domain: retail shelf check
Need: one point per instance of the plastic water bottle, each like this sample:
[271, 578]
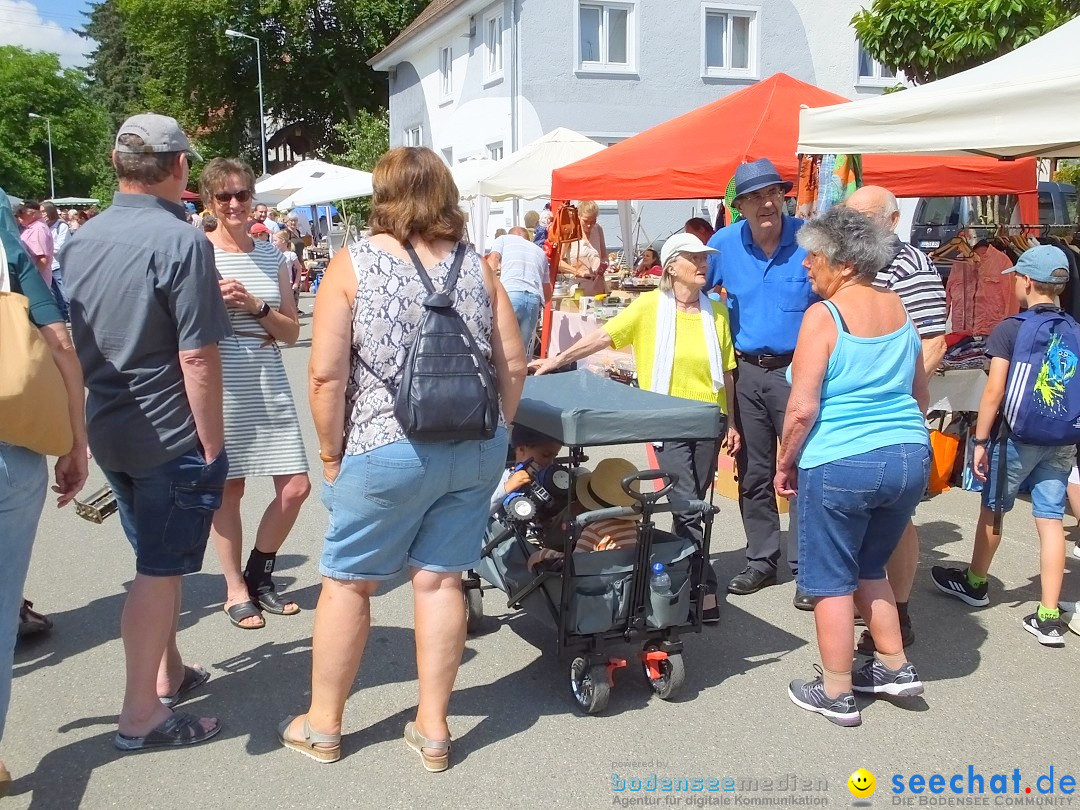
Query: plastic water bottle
[661, 580]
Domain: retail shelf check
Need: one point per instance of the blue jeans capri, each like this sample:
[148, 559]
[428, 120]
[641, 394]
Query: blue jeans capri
[852, 513]
[422, 504]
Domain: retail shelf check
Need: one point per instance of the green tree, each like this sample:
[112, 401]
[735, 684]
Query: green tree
[931, 39]
[314, 62]
[32, 82]
[363, 141]
[117, 70]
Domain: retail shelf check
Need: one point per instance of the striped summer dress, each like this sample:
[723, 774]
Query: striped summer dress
[262, 432]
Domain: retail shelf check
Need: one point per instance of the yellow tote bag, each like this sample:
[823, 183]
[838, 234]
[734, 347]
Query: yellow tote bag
[33, 400]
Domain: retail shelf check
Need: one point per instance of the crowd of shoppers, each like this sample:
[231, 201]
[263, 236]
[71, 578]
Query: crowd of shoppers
[818, 353]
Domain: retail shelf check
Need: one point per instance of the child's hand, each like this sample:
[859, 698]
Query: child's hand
[980, 462]
[518, 480]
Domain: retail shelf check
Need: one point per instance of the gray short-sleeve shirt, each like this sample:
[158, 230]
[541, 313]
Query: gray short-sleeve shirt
[143, 287]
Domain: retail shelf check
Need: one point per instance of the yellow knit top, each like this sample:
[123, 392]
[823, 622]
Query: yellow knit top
[690, 376]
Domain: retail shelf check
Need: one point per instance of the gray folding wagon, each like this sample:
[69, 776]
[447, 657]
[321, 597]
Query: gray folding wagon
[601, 599]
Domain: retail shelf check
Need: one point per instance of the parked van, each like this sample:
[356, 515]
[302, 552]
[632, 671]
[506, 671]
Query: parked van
[938, 219]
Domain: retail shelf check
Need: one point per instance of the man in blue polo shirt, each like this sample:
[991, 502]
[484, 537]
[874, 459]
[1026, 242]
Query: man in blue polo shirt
[760, 266]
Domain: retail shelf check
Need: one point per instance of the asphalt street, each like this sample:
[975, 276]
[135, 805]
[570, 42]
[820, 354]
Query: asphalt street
[995, 700]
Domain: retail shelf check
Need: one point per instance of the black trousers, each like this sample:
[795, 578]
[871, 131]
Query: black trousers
[762, 395]
[695, 464]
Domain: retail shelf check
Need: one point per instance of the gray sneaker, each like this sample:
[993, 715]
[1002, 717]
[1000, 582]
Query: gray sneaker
[810, 695]
[875, 678]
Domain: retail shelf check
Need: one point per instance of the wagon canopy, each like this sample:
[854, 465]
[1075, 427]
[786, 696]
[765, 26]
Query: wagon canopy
[581, 408]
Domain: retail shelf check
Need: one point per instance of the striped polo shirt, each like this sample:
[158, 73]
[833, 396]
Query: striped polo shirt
[911, 276]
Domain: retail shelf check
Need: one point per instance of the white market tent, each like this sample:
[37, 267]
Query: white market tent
[526, 173]
[273, 189]
[468, 174]
[1020, 104]
[344, 184]
[62, 201]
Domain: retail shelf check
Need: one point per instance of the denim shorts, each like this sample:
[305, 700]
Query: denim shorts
[852, 513]
[422, 504]
[1044, 469]
[166, 511]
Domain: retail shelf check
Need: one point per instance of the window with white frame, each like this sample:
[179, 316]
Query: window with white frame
[607, 36]
[414, 136]
[871, 71]
[446, 72]
[729, 40]
[493, 47]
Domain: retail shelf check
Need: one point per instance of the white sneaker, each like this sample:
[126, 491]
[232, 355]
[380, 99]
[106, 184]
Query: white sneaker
[1069, 616]
[1076, 550]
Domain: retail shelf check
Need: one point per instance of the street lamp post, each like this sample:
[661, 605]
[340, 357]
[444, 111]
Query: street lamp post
[258, 67]
[48, 130]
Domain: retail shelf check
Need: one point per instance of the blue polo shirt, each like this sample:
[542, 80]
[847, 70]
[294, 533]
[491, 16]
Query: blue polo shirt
[767, 297]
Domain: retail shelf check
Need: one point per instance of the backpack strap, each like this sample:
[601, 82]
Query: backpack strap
[451, 279]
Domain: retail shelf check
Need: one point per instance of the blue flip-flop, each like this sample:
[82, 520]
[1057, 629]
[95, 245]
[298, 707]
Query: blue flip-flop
[194, 677]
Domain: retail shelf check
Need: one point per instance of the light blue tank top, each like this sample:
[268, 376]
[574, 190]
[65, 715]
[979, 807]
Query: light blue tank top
[866, 400]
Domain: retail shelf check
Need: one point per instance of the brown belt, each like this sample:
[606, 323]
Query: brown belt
[263, 336]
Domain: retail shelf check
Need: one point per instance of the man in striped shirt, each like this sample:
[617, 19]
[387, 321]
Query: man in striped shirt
[911, 276]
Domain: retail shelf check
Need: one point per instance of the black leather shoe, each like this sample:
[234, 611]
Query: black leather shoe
[750, 580]
[803, 601]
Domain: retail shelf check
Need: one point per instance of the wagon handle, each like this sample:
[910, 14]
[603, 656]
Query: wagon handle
[670, 480]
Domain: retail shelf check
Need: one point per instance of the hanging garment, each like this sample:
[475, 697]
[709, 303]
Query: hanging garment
[977, 296]
[825, 181]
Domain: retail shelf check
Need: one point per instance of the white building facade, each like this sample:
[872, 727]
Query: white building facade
[476, 77]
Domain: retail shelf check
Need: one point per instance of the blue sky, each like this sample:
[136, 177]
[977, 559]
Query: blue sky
[45, 25]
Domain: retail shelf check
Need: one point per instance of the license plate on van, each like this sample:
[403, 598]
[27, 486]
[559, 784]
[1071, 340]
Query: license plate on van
[932, 244]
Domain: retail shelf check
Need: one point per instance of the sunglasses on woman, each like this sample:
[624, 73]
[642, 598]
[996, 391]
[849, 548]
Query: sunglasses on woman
[241, 196]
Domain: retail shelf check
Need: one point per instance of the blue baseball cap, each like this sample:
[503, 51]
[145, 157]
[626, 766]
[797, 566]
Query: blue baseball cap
[1042, 263]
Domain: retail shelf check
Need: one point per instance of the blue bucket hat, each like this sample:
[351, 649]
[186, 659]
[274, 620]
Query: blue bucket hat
[1043, 263]
[750, 177]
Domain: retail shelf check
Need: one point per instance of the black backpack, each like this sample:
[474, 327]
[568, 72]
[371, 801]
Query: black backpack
[447, 390]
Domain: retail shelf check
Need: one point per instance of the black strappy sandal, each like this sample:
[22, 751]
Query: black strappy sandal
[262, 594]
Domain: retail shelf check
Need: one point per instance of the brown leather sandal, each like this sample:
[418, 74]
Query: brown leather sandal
[433, 763]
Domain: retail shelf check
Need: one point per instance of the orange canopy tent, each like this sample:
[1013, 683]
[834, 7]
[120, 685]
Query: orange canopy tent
[695, 155]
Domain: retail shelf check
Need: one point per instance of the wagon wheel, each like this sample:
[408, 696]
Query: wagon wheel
[589, 685]
[474, 610]
[671, 676]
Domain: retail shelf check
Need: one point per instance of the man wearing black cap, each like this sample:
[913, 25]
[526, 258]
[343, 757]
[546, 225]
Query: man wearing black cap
[147, 315]
[760, 265]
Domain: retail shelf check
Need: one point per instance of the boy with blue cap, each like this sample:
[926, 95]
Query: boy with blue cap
[1041, 275]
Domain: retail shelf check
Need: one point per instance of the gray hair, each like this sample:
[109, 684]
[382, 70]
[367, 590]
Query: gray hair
[667, 278]
[846, 237]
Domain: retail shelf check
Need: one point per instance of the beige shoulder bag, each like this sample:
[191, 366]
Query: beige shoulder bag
[33, 400]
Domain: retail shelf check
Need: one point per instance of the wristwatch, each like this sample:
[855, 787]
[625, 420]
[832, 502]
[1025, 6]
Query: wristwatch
[264, 310]
[979, 442]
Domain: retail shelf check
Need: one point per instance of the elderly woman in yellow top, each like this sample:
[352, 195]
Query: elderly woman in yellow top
[682, 346]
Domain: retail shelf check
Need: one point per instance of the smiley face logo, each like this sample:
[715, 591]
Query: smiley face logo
[862, 784]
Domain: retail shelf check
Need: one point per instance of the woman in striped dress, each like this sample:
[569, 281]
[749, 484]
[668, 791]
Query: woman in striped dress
[262, 432]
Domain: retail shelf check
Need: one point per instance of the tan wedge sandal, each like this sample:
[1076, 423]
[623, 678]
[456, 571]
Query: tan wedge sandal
[418, 742]
[320, 747]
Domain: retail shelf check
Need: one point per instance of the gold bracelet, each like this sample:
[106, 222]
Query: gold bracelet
[330, 459]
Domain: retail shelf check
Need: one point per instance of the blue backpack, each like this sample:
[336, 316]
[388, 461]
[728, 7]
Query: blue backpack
[1042, 395]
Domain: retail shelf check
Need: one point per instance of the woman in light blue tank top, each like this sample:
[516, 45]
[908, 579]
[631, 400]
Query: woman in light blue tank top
[856, 449]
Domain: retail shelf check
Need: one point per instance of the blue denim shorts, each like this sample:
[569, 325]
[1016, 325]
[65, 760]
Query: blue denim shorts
[852, 513]
[422, 504]
[1044, 469]
[166, 511]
